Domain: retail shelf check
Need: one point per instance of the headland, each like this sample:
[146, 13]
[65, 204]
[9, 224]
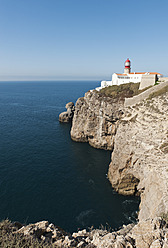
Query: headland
[133, 125]
[135, 130]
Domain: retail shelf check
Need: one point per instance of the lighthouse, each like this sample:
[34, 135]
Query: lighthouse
[144, 78]
[127, 68]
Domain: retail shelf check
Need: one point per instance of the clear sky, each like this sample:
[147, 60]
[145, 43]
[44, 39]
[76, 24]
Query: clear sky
[81, 39]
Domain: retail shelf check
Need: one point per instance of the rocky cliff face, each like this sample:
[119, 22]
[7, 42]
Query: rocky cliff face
[138, 138]
[140, 157]
[95, 120]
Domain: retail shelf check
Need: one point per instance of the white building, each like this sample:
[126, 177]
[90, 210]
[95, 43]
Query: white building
[144, 78]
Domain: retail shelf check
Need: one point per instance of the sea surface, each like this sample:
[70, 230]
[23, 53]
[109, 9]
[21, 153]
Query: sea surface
[44, 175]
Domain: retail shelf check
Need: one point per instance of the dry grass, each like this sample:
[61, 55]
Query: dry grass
[159, 92]
[10, 239]
[122, 91]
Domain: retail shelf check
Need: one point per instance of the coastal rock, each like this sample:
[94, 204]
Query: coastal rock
[68, 115]
[147, 233]
[138, 138]
[95, 120]
[139, 161]
[139, 144]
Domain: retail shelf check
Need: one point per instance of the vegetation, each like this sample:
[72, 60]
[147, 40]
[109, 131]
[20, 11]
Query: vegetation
[159, 92]
[122, 91]
[10, 239]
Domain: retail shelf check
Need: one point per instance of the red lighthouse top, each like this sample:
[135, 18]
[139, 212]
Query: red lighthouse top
[127, 63]
[127, 60]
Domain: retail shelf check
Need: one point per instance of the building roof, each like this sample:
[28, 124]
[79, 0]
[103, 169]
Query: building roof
[153, 73]
[124, 74]
[134, 73]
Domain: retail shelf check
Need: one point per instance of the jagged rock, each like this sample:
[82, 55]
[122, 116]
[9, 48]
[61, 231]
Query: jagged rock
[138, 164]
[95, 120]
[139, 159]
[147, 233]
[79, 233]
[36, 229]
[68, 115]
[64, 117]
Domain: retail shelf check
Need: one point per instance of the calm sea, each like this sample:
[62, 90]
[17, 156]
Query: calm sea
[44, 175]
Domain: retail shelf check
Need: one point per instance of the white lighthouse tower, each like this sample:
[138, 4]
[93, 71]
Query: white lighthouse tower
[127, 68]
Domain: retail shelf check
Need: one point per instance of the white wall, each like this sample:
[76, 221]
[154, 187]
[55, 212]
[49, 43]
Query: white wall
[147, 80]
[106, 83]
[129, 78]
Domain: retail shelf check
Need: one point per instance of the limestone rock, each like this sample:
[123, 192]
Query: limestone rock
[95, 120]
[64, 117]
[138, 138]
[147, 233]
[139, 162]
[68, 115]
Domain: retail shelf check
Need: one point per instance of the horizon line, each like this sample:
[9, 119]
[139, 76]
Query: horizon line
[38, 80]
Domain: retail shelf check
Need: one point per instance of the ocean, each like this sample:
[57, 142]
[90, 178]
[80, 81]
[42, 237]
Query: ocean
[44, 175]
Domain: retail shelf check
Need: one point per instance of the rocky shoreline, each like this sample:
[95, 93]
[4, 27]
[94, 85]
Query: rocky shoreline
[151, 233]
[137, 135]
[138, 138]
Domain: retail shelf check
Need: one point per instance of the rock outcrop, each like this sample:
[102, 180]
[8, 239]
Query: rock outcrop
[138, 138]
[140, 157]
[137, 135]
[95, 120]
[67, 116]
[151, 233]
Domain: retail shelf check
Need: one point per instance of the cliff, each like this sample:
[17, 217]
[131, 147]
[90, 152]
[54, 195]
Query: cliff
[96, 119]
[138, 138]
[137, 134]
[140, 157]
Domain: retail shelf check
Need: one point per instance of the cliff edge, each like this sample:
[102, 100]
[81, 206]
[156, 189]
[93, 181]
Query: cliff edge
[137, 135]
[140, 157]
[96, 119]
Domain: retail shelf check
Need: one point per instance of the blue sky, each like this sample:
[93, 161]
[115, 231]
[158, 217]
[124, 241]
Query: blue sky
[81, 39]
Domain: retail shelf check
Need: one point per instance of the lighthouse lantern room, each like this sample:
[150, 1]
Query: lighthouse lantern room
[127, 68]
